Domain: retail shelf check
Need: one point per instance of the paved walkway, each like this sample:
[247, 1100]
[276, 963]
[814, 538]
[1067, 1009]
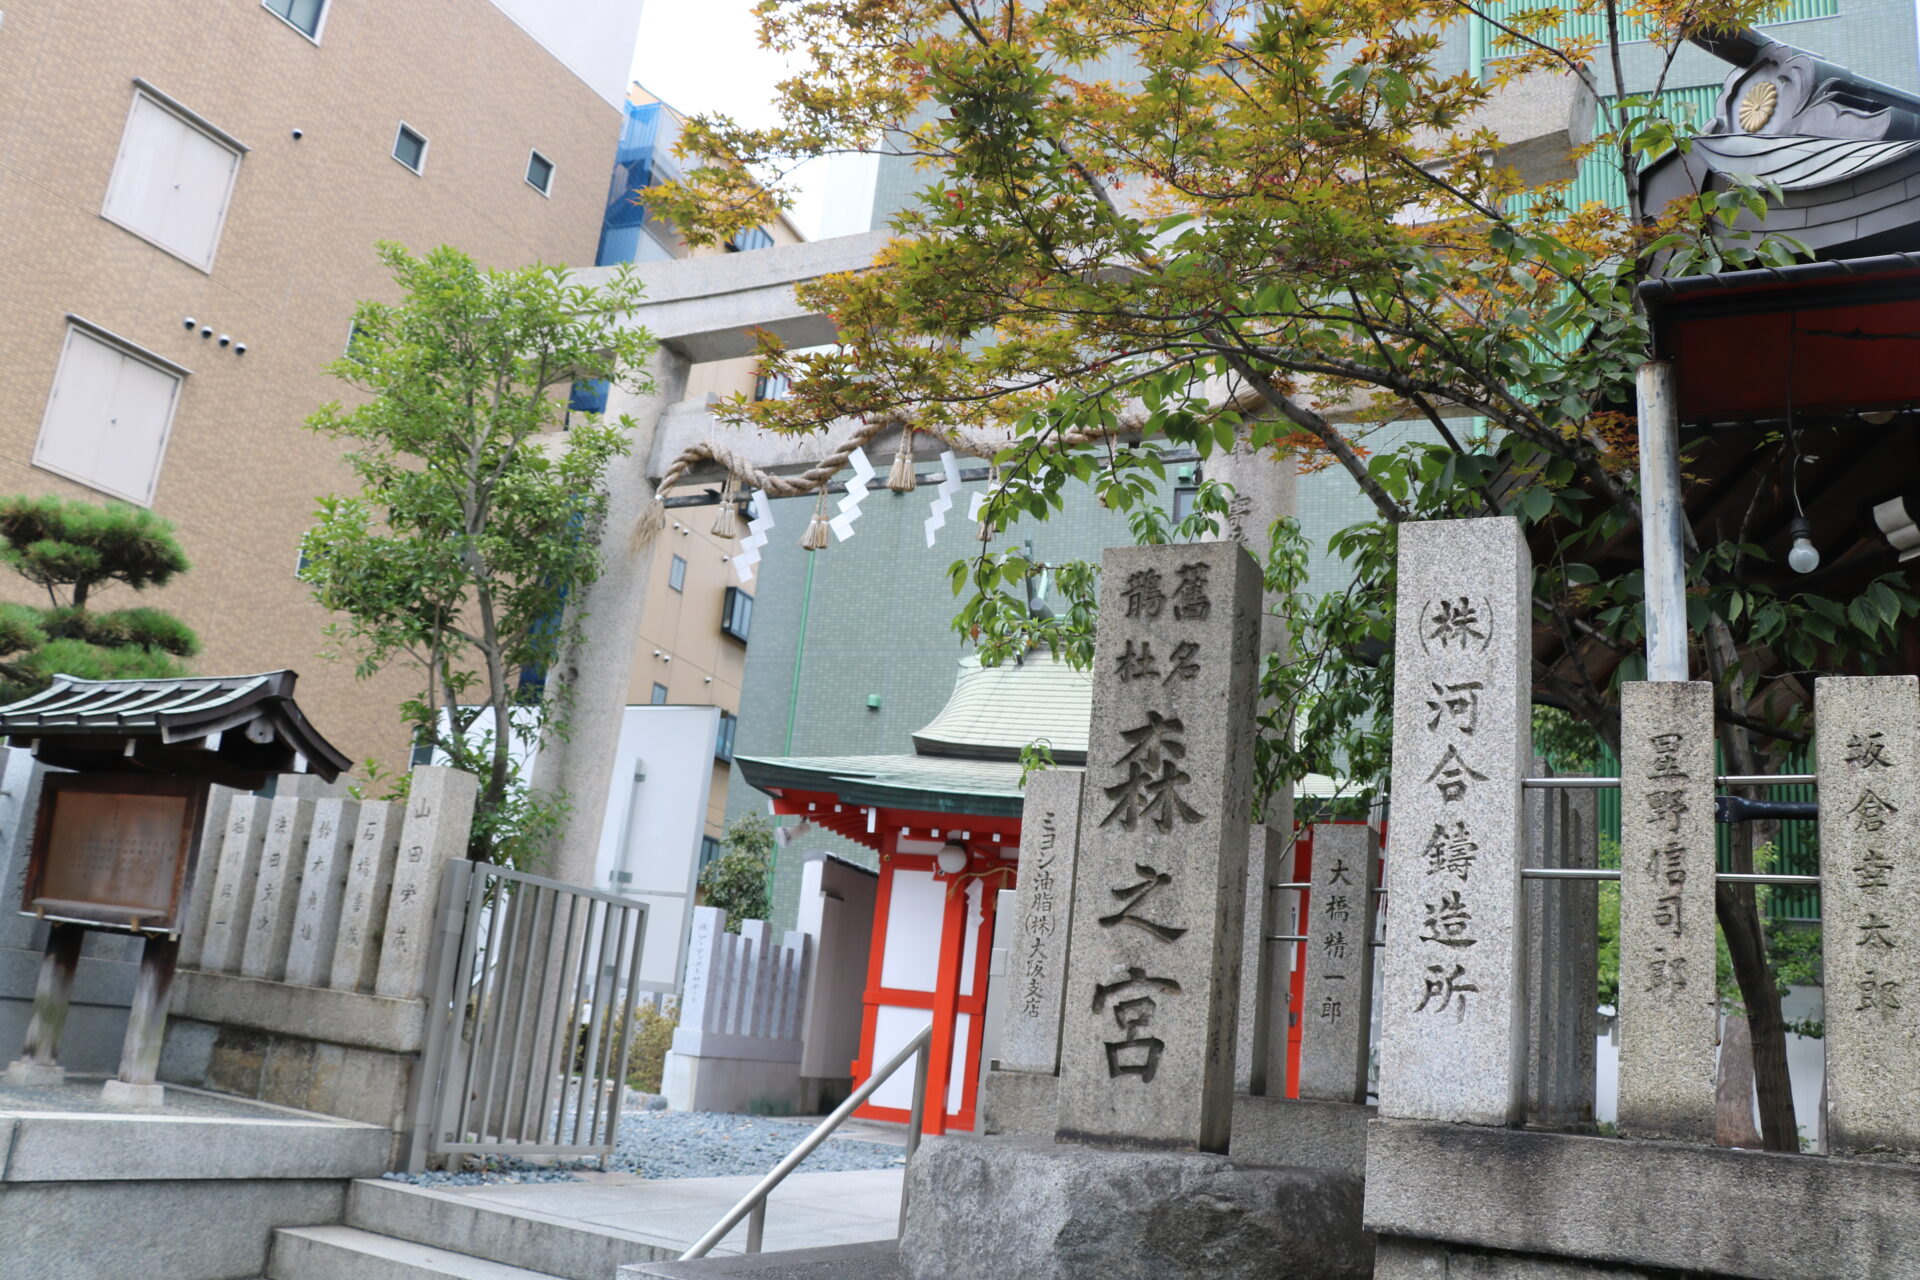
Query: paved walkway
[806, 1210]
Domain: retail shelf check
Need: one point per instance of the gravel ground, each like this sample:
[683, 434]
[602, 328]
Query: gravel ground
[685, 1144]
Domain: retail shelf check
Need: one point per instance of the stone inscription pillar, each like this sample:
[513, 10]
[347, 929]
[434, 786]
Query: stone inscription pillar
[276, 895]
[1669, 1001]
[438, 823]
[316, 920]
[1264, 492]
[363, 903]
[236, 876]
[1153, 966]
[1453, 1018]
[1338, 999]
[206, 864]
[1868, 744]
[1043, 917]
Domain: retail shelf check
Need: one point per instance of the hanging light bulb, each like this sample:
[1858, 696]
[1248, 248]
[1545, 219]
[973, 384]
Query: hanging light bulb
[1804, 557]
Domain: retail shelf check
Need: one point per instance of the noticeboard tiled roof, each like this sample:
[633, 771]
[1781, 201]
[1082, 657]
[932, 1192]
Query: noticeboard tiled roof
[234, 730]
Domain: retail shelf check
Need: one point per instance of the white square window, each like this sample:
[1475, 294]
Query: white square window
[410, 148]
[172, 180]
[540, 173]
[107, 419]
[302, 15]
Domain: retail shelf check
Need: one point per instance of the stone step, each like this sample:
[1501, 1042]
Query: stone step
[872, 1260]
[563, 1247]
[348, 1253]
[176, 1146]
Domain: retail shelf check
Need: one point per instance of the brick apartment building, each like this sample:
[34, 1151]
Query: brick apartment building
[189, 198]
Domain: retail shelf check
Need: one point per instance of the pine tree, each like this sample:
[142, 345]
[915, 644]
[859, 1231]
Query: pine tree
[70, 548]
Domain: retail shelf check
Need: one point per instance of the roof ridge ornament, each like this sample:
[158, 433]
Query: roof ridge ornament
[1789, 91]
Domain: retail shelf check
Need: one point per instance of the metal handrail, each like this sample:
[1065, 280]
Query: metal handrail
[1580, 783]
[754, 1203]
[1725, 877]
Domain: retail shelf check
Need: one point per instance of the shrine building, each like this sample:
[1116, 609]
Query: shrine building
[945, 822]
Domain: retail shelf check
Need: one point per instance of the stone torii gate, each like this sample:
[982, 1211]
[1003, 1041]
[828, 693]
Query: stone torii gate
[702, 310]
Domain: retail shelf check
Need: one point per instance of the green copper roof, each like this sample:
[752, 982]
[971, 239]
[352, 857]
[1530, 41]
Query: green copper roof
[968, 758]
[996, 711]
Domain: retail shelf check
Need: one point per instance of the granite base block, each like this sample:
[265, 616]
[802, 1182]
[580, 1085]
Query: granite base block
[120, 1093]
[1057, 1211]
[1662, 1208]
[1301, 1131]
[1397, 1259]
[288, 1071]
[735, 1085]
[35, 1075]
[1020, 1102]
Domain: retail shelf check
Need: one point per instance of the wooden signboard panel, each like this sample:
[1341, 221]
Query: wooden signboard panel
[114, 850]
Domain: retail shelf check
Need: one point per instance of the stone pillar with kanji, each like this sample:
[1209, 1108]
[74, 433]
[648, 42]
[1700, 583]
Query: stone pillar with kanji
[1453, 1012]
[1154, 955]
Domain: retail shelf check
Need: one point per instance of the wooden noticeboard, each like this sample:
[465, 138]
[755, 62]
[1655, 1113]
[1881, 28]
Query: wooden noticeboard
[114, 850]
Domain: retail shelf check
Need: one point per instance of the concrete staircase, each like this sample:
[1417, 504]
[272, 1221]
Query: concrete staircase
[398, 1231]
[189, 1191]
[876, 1260]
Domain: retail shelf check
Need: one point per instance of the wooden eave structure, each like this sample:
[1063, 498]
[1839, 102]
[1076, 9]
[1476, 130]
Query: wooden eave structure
[237, 731]
[1798, 386]
[964, 772]
[841, 789]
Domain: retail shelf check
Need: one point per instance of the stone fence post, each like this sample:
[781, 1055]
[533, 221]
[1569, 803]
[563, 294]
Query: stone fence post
[1453, 1026]
[1337, 1003]
[1867, 736]
[1669, 994]
[1563, 926]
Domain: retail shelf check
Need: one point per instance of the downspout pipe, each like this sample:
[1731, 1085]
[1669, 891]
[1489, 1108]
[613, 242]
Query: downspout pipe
[1662, 523]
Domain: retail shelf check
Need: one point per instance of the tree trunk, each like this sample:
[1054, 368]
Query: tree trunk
[1733, 1090]
[1739, 914]
[1746, 943]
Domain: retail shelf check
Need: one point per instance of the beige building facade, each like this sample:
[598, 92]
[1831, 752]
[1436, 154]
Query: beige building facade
[696, 627]
[190, 195]
[692, 649]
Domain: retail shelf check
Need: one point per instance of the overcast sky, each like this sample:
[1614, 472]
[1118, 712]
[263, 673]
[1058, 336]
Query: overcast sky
[703, 56]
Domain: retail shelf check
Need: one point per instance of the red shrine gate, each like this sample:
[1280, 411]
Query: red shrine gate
[940, 874]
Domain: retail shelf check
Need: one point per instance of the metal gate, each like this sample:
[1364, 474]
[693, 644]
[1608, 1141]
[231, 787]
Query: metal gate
[531, 991]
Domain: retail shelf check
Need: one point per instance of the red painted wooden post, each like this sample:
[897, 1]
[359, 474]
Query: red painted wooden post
[1297, 971]
[946, 999]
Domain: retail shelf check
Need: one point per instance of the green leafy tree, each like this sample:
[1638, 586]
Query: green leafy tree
[740, 880]
[478, 507]
[652, 1038]
[1196, 224]
[70, 549]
